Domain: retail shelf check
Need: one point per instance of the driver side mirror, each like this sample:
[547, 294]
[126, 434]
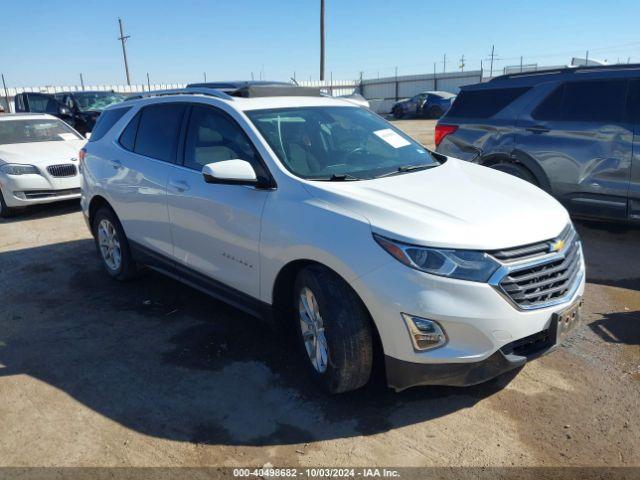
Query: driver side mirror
[230, 172]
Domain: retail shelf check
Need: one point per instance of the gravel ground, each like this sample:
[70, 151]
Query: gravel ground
[153, 373]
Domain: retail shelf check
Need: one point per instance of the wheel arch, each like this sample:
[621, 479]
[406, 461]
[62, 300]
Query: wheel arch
[97, 202]
[282, 296]
[524, 160]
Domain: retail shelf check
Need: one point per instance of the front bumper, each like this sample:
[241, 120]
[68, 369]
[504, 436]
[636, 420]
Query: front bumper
[481, 326]
[24, 190]
[402, 375]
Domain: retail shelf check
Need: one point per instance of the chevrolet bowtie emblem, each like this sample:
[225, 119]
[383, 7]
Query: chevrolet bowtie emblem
[557, 246]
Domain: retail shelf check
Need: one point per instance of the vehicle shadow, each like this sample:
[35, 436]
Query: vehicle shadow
[165, 360]
[46, 210]
[620, 327]
[612, 253]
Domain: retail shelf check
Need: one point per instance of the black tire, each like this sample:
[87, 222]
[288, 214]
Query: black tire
[5, 212]
[347, 329]
[127, 267]
[434, 112]
[517, 171]
[397, 113]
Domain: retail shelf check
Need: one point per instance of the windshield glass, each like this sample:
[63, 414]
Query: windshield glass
[96, 100]
[27, 131]
[323, 142]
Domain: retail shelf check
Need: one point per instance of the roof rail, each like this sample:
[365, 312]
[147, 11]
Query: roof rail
[211, 92]
[577, 69]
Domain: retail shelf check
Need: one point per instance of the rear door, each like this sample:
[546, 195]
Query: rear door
[581, 137]
[216, 228]
[634, 177]
[140, 173]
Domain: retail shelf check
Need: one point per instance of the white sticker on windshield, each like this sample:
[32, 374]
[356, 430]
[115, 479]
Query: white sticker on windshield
[392, 138]
[67, 136]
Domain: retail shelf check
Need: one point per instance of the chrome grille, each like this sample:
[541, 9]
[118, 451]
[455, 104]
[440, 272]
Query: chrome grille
[547, 278]
[64, 170]
[533, 249]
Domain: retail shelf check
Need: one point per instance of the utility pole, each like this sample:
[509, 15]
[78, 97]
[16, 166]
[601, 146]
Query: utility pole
[81, 82]
[491, 67]
[6, 94]
[205, 76]
[321, 40]
[444, 63]
[148, 82]
[520, 63]
[586, 59]
[462, 63]
[123, 38]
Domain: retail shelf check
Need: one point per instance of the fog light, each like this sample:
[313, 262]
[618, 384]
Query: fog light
[20, 195]
[425, 334]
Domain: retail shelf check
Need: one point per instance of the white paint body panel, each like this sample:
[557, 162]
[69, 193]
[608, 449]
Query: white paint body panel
[455, 205]
[41, 155]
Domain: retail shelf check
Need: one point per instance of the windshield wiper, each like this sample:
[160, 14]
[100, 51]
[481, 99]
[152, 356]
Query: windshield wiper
[407, 168]
[336, 177]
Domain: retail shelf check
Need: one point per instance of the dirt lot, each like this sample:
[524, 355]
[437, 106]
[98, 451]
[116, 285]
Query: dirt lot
[99, 373]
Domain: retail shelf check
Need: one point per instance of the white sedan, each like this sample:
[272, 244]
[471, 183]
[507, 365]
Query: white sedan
[38, 161]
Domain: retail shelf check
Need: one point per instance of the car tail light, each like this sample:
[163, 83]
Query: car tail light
[442, 131]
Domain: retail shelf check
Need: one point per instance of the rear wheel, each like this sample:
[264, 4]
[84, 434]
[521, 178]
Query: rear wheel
[112, 245]
[434, 112]
[334, 330]
[517, 171]
[397, 113]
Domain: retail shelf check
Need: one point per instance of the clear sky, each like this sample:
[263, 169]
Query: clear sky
[51, 42]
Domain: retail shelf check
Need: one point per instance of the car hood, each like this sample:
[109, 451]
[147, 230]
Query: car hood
[456, 205]
[40, 153]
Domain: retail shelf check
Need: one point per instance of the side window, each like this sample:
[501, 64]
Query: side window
[585, 101]
[128, 138]
[550, 107]
[43, 104]
[633, 101]
[106, 120]
[158, 131]
[483, 103]
[214, 137]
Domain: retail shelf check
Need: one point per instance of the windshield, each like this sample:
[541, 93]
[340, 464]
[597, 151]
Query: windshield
[96, 100]
[324, 142]
[27, 131]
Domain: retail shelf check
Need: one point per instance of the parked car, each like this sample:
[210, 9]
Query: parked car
[322, 216]
[38, 161]
[573, 132]
[425, 104]
[78, 109]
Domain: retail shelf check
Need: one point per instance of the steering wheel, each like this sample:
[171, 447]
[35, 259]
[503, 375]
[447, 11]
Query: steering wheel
[355, 151]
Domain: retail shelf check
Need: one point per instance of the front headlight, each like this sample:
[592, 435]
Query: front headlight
[461, 264]
[19, 169]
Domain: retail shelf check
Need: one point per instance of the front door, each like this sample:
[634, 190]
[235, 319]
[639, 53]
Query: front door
[582, 138]
[216, 228]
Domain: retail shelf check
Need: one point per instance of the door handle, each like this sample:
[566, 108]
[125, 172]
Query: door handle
[179, 186]
[537, 129]
[117, 164]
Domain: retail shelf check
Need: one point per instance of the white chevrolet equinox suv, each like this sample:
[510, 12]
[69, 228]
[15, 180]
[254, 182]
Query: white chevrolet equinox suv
[320, 215]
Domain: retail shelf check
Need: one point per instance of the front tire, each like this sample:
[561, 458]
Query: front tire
[113, 246]
[5, 212]
[334, 330]
[397, 113]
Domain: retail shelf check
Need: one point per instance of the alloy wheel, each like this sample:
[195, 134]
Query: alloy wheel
[312, 328]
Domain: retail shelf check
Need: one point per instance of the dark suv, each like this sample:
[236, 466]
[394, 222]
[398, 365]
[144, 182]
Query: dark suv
[574, 132]
[78, 109]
